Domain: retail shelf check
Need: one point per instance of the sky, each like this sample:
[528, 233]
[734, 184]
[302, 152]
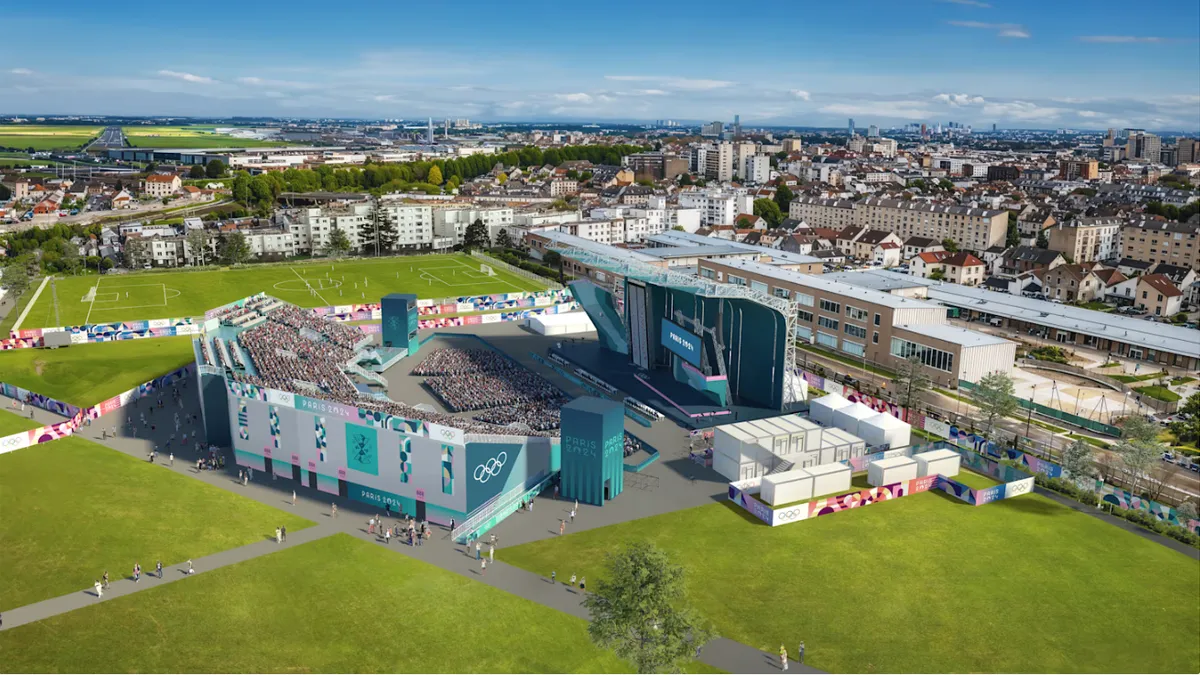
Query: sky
[1019, 64]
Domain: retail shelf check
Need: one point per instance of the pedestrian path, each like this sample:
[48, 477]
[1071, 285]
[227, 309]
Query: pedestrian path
[352, 518]
[171, 573]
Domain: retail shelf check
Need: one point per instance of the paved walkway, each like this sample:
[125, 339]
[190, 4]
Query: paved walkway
[352, 519]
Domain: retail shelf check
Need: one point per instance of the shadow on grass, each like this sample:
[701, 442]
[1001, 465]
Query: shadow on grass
[1039, 507]
[742, 513]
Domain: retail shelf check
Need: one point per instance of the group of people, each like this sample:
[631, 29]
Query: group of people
[102, 583]
[416, 532]
[505, 392]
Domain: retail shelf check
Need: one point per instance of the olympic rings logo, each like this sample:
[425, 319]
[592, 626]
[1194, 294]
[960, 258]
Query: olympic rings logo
[485, 471]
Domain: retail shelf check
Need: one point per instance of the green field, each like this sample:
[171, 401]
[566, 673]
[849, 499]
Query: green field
[90, 373]
[923, 584]
[45, 136]
[336, 605]
[183, 293]
[73, 508]
[12, 422]
[189, 137]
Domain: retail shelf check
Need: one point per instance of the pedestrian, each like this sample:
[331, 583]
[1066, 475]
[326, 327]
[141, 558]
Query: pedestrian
[556, 492]
[387, 510]
[137, 572]
[99, 589]
[553, 576]
[572, 584]
[158, 568]
[387, 537]
[478, 555]
[191, 570]
[482, 568]
[293, 497]
[283, 532]
[172, 458]
[800, 655]
[277, 535]
[492, 553]
[333, 509]
[783, 656]
[451, 524]
[582, 583]
[105, 578]
[573, 508]
[530, 505]
[562, 527]
[572, 515]
[245, 478]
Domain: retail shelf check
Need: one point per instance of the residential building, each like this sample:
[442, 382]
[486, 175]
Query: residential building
[1027, 258]
[1157, 295]
[122, 200]
[972, 228]
[1143, 146]
[1072, 283]
[716, 207]
[160, 185]
[413, 224]
[656, 165]
[1188, 151]
[758, 169]
[1002, 172]
[959, 268]
[719, 162]
[1162, 241]
[1079, 169]
[562, 187]
[791, 145]
[451, 222]
[917, 245]
[712, 129]
[1087, 239]
[833, 213]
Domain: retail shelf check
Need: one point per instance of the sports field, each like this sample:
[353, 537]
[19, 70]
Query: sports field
[160, 295]
[87, 374]
[189, 137]
[72, 508]
[923, 584]
[336, 605]
[45, 136]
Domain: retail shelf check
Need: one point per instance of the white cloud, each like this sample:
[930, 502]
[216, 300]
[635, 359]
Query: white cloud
[21, 71]
[672, 82]
[251, 80]
[1008, 30]
[187, 77]
[959, 100]
[1022, 110]
[1124, 39]
[969, 3]
[1087, 113]
[650, 92]
[383, 98]
[801, 94]
[579, 97]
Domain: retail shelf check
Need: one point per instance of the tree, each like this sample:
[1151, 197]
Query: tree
[638, 612]
[1042, 242]
[950, 245]
[502, 178]
[339, 243]
[215, 168]
[502, 239]
[783, 197]
[378, 234]
[70, 260]
[1014, 233]
[938, 275]
[196, 243]
[1138, 429]
[234, 249]
[1138, 457]
[685, 179]
[135, 252]
[1189, 429]
[1077, 460]
[197, 171]
[742, 223]
[911, 381]
[993, 395]
[552, 258]
[476, 236]
[1186, 511]
[15, 280]
[945, 184]
[435, 175]
[768, 211]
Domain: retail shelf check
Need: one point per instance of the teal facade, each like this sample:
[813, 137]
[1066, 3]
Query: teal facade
[399, 321]
[593, 441]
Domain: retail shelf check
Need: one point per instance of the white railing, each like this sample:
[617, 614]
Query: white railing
[491, 507]
[642, 408]
[606, 387]
[496, 262]
[366, 374]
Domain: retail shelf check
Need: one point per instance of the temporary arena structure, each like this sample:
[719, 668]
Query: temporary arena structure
[821, 410]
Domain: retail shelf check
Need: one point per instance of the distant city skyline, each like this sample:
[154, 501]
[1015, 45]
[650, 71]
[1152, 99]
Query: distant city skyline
[1018, 64]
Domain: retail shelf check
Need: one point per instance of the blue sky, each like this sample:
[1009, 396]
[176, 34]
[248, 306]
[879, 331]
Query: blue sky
[1043, 64]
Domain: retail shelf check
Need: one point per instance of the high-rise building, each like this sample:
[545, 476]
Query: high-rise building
[737, 125]
[851, 126]
[1110, 138]
[873, 131]
[1143, 146]
[712, 129]
[924, 130]
[429, 132]
[993, 127]
[1189, 151]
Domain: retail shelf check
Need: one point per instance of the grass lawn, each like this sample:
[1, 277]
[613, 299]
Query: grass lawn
[1182, 380]
[857, 363]
[1090, 441]
[190, 137]
[1137, 378]
[11, 423]
[1157, 392]
[336, 605]
[7, 323]
[184, 293]
[89, 373]
[73, 508]
[923, 584]
[45, 136]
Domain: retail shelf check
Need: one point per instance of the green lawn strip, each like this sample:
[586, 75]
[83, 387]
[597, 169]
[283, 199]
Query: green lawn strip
[11, 423]
[189, 293]
[87, 374]
[73, 508]
[335, 605]
[11, 318]
[1137, 378]
[1158, 393]
[1047, 426]
[1005, 587]
[1091, 441]
[845, 359]
[1184, 379]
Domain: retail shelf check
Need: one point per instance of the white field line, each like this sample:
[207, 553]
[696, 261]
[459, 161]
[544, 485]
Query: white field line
[32, 301]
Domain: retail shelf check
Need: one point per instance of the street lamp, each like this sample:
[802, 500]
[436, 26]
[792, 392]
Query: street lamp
[1029, 416]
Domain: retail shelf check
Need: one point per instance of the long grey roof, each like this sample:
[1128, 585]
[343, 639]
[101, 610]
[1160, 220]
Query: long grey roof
[956, 335]
[564, 239]
[678, 238]
[824, 283]
[1136, 332]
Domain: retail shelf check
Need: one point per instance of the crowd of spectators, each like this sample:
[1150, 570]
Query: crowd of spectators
[632, 445]
[504, 391]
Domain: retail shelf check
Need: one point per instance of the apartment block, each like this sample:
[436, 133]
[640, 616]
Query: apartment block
[1087, 239]
[716, 207]
[1161, 241]
[972, 228]
[1079, 169]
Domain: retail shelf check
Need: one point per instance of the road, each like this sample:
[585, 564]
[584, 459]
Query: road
[111, 137]
[89, 217]
[951, 409]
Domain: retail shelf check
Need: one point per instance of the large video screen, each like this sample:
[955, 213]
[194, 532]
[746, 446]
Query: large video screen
[681, 342]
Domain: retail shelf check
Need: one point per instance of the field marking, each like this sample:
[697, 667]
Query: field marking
[494, 277]
[92, 305]
[305, 282]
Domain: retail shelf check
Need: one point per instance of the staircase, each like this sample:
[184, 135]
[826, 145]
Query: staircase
[366, 374]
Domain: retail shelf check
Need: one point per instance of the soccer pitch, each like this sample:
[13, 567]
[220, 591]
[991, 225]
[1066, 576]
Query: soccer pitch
[73, 301]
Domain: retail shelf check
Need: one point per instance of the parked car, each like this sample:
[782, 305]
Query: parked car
[1168, 457]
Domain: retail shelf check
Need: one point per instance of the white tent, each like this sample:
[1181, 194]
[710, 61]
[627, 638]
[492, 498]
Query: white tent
[560, 324]
[821, 409]
[884, 429]
[847, 418]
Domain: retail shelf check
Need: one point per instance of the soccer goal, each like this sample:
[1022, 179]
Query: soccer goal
[487, 269]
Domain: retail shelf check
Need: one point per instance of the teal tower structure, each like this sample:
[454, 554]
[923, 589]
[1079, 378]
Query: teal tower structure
[593, 443]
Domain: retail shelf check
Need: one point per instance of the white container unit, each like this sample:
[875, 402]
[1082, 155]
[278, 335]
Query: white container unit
[838, 445]
[787, 487]
[812, 433]
[943, 462]
[777, 438]
[830, 479]
[730, 458]
[560, 324]
[796, 432]
[821, 410]
[849, 418]
[883, 429]
[891, 470]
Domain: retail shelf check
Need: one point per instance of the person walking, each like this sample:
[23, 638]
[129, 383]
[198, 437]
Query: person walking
[482, 568]
[277, 535]
[553, 576]
[293, 497]
[562, 527]
[105, 578]
[333, 509]
[783, 657]
[172, 457]
[572, 515]
[158, 569]
[492, 553]
[478, 548]
[572, 583]
[371, 525]
[582, 583]
[800, 654]
[576, 507]
[191, 570]
[451, 524]
[283, 532]
[387, 537]
[137, 572]
[99, 589]
[245, 478]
